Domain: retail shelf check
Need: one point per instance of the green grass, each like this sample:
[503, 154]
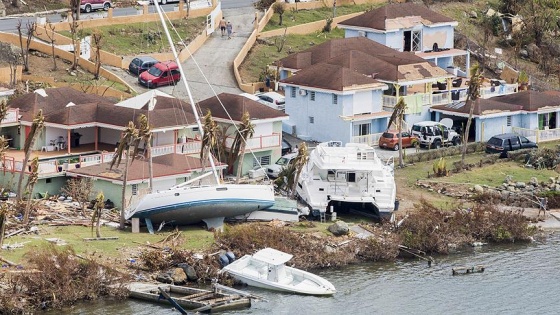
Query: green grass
[264, 54]
[143, 38]
[194, 238]
[292, 18]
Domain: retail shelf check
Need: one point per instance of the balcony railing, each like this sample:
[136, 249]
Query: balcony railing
[371, 139]
[537, 135]
[256, 143]
[504, 89]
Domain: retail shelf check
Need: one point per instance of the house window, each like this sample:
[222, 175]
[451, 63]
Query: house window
[49, 180]
[293, 94]
[263, 160]
[412, 41]
[508, 121]
[416, 41]
[361, 33]
[362, 129]
[311, 119]
[134, 189]
[312, 95]
[335, 99]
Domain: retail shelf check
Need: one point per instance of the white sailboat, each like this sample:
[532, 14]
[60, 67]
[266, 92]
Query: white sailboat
[191, 203]
[347, 178]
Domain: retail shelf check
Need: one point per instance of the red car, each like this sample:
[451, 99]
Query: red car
[162, 73]
[390, 140]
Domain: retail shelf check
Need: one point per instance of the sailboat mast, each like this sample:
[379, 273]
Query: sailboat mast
[184, 78]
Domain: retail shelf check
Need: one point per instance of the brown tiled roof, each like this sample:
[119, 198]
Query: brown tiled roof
[529, 101]
[57, 98]
[332, 77]
[236, 105]
[395, 68]
[333, 48]
[90, 108]
[162, 166]
[376, 19]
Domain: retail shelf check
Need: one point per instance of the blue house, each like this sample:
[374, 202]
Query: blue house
[410, 27]
[532, 114]
[359, 82]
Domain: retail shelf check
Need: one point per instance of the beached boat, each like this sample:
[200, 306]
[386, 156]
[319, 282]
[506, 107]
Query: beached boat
[190, 202]
[189, 298]
[347, 178]
[284, 209]
[266, 269]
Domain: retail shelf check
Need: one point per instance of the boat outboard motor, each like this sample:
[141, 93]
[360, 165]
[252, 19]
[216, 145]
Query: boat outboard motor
[230, 256]
[224, 260]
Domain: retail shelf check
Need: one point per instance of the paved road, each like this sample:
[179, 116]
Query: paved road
[213, 62]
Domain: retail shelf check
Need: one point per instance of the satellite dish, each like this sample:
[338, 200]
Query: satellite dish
[447, 122]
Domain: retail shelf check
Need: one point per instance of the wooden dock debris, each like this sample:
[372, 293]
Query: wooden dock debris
[101, 238]
[467, 270]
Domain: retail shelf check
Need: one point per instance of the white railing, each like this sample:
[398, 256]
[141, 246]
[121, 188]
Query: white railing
[163, 150]
[537, 135]
[504, 89]
[47, 167]
[191, 147]
[371, 139]
[256, 143]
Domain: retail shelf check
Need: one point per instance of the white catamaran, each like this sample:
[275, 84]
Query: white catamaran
[190, 202]
[348, 178]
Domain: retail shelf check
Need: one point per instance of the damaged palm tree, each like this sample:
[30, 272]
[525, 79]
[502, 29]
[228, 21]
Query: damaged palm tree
[145, 135]
[209, 145]
[472, 96]
[128, 138]
[245, 131]
[36, 129]
[397, 118]
[31, 181]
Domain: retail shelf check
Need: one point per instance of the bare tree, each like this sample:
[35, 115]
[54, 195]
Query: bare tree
[36, 129]
[74, 28]
[97, 38]
[475, 82]
[210, 139]
[397, 118]
[279, 8]
[31, 29]
[80, 189]
[31, 181]
[75, 7]
[145, 134]
[5, 210]
[52, 41]
[96, 215]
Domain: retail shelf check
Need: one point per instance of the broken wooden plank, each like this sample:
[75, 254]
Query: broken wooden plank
[101, 238]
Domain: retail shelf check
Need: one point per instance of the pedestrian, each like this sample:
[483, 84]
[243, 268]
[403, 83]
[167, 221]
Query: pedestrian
[223, 26]
[229, 29]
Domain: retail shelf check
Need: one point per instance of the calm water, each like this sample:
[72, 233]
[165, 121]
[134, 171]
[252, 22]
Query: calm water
[522, 279]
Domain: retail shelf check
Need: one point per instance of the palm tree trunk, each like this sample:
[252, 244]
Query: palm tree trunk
[150, 166]
[22, 173]
[401, 159]
[125, 178]
[240, 162]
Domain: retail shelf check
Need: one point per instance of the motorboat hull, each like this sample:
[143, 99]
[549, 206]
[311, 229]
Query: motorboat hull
[188, 205]
[274, 275]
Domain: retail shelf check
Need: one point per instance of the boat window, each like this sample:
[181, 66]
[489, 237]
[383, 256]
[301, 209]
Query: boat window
[176, 194]
[221, 188]
[351, 177]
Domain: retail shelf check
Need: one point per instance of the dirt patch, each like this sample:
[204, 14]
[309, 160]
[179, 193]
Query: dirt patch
[34, 6]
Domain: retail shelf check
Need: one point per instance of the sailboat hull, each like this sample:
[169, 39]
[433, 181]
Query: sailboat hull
[187, 205]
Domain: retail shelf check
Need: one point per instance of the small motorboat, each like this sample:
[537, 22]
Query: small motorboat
[266, 269]
[189, 298]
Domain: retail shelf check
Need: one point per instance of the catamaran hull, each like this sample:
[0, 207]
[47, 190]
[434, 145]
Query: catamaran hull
[190, 205]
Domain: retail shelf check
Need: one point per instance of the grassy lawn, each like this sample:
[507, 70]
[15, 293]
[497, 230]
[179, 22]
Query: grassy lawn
[194, 238]
[291, 18]
[264, 54]
[143, 38]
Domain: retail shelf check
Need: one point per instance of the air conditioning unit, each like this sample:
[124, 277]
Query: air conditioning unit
[302, 92]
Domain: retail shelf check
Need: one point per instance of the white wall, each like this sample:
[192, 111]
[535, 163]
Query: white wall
[109, 136]
[163, 138]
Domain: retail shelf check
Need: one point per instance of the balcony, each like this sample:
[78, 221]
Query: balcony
[257, 143]
[371, 139]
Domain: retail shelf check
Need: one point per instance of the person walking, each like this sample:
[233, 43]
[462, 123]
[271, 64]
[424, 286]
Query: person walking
[229, 29]
[223, 26]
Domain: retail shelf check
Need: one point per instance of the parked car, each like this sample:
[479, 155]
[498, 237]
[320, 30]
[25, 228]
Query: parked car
[258, 172]
[274, 170]
[91, 5]
[272, 99]
[164, 1]
[251, 97]
[508, 142]
[141, 64]
[162, 73]
[390, 140]
[286, 147]
[435, 134]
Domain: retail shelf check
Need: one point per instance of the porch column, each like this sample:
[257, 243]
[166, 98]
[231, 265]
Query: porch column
[175, 136]
[448, 85]
[96, 137]
[68, 142]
